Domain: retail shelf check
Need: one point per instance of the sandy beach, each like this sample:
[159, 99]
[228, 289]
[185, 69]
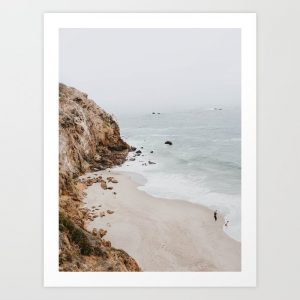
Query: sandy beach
[161, 234]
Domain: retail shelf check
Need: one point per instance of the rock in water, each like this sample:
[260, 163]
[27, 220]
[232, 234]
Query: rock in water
[151, 162]
[168, 143]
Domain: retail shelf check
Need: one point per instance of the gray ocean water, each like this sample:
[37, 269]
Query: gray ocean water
[202, 166]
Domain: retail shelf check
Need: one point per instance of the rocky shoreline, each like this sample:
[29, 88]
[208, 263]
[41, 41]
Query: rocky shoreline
[89, 140]
[101, 210]
[161, 234]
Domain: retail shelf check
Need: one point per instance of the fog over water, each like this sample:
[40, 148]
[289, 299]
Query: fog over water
[145, 70]
[191, 79]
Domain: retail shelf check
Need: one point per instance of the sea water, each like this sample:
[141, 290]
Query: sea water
[203, 164]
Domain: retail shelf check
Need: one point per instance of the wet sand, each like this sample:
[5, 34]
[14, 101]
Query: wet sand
[161, 234]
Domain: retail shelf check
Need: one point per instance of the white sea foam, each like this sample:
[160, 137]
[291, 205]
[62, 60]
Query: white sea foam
[202, 165]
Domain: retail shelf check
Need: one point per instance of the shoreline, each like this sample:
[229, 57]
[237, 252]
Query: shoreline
[161, 234]
[227, 204]
[140, 180]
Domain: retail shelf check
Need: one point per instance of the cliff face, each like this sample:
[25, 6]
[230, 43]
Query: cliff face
[89, 139]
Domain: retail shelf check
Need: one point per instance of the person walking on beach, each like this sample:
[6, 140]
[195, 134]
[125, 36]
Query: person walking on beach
[215, 215]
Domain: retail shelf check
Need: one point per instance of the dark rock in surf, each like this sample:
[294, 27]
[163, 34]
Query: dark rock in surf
[169, 143]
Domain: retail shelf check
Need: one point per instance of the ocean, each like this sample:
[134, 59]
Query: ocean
[203, 164]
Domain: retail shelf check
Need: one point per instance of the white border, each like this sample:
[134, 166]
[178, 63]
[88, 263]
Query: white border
[52, 23]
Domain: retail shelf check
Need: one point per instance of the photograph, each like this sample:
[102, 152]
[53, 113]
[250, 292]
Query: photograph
[149, 150]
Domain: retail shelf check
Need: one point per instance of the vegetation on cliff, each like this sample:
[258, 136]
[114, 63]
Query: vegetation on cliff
[89, 139]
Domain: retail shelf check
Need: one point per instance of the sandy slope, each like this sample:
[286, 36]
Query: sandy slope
[161, 234]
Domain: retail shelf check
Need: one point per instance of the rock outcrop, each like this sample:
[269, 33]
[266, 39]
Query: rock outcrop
[89, 139]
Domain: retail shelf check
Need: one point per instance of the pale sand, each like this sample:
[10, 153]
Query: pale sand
[161, 234]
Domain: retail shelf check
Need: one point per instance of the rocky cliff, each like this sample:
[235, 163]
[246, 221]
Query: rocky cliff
[89, 139]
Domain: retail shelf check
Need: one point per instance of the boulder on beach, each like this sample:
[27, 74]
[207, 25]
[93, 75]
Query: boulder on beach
[138, 152]
[102, 214]
[109, 187]
[131, 149]
[112, 179]
[168, 143]
[151, 162]
[151, 151]
[102, 232]
[110, 211]
[103, 184]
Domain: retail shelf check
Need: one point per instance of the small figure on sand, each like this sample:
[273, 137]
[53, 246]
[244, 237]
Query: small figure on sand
[215, 215]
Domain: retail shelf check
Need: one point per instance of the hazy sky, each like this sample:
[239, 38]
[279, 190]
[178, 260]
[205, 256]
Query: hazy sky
[147, 70]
